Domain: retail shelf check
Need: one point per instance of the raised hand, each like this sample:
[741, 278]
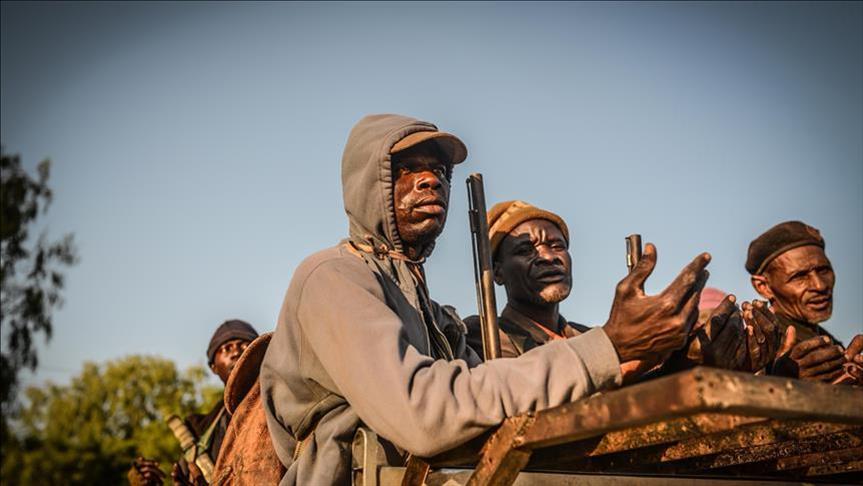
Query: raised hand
[148, 472]
[649, 327]
[763, 335]
[722, 339]
[815, 359]
[853, 367]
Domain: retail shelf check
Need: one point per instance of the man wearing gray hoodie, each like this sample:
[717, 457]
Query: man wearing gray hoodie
[359, 341]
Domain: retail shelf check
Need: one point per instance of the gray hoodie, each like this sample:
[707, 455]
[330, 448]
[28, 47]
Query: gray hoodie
[352, 345]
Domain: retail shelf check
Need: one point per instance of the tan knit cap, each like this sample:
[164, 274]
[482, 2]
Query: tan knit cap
[505, 216]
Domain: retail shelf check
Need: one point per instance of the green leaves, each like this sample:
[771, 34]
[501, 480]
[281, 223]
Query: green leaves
[88, 432]
[30, 282]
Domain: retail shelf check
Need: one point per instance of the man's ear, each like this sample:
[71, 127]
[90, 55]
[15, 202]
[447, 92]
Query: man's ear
[213, 368]
[759, 283]
[497, 272]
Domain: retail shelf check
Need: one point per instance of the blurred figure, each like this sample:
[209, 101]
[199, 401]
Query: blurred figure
[225, 348]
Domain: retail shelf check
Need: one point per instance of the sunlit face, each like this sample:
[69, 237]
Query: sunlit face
[534, 264]
[227, 356]
[420, 195]
[799, 284]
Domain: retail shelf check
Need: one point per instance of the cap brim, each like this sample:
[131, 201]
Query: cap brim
[448, 143]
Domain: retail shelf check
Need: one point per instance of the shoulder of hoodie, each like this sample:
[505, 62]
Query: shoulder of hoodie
[336, 259]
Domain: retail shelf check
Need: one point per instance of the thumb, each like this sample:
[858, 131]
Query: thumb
[643, 268]
[788, 341]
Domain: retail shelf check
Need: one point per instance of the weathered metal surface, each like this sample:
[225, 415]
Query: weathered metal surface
[697, 391]
[853, 467]
[392, 476]
[501, 457]
[820, 459]
[703, 422]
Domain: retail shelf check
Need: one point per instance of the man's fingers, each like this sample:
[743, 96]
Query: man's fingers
[720, 315]
[822, 355]
[788, 341]
[643, 268]
[732, 329]
[855, 348]
[825, 368]
[805, 347]
[688, 278]
[690, 308]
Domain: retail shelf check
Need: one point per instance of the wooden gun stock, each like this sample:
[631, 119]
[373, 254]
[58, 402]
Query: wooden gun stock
[482, 268]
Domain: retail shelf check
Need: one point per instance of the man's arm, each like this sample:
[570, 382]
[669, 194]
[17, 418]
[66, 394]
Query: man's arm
[423, 405]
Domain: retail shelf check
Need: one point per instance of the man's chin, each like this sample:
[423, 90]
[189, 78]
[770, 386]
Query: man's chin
[427, 231]
[819, 317]
[554, 294]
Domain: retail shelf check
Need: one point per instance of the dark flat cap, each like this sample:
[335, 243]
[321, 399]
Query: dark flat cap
[777, 240]
[229, 330]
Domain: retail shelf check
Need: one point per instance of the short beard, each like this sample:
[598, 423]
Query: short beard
[553, 294]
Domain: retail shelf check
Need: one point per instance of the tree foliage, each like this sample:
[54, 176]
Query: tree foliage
[30, 279]
[88, 432]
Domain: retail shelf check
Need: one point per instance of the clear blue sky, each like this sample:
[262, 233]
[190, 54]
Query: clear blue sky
[196, 147]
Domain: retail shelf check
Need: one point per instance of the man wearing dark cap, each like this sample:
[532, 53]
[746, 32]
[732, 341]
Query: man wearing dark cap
[225, 348]
[789, 268]
[530, 249]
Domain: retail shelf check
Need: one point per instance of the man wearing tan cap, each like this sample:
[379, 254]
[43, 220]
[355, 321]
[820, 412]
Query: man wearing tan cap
[789, 268]
[530, 248]
[360, 341]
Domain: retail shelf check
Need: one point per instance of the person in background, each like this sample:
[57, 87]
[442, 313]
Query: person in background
[226, 346]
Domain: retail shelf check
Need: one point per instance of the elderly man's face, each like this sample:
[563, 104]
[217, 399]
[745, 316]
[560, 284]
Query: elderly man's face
[420, 195]
[534, 264]
[227, 356]
[799, 284]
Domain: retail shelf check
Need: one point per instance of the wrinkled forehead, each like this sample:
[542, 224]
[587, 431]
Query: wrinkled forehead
[799, 259]
[536, 230]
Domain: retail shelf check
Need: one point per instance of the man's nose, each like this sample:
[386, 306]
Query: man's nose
[545, 254]
[818, 282]
[428, 180]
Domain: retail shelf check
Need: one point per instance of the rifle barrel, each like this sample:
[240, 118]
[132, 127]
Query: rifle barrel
[482, 267]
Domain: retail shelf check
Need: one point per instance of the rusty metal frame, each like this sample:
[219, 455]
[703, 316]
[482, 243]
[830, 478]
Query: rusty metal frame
[693, 411]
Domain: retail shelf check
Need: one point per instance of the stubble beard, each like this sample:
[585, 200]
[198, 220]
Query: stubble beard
[553, 294]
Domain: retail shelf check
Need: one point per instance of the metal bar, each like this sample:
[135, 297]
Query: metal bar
[823, 459]
[668, 433]
[483, 267]
[700, 390]
[501, 459]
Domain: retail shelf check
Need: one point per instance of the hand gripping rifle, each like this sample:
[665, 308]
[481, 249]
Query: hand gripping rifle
[190, 449]
[482, 269]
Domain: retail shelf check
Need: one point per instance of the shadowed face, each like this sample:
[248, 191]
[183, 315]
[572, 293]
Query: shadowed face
[534, 264]
[227, 356]
[420, 195]
[799, 284]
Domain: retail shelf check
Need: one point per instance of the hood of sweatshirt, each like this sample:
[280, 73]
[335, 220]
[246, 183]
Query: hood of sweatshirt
[367, 181]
